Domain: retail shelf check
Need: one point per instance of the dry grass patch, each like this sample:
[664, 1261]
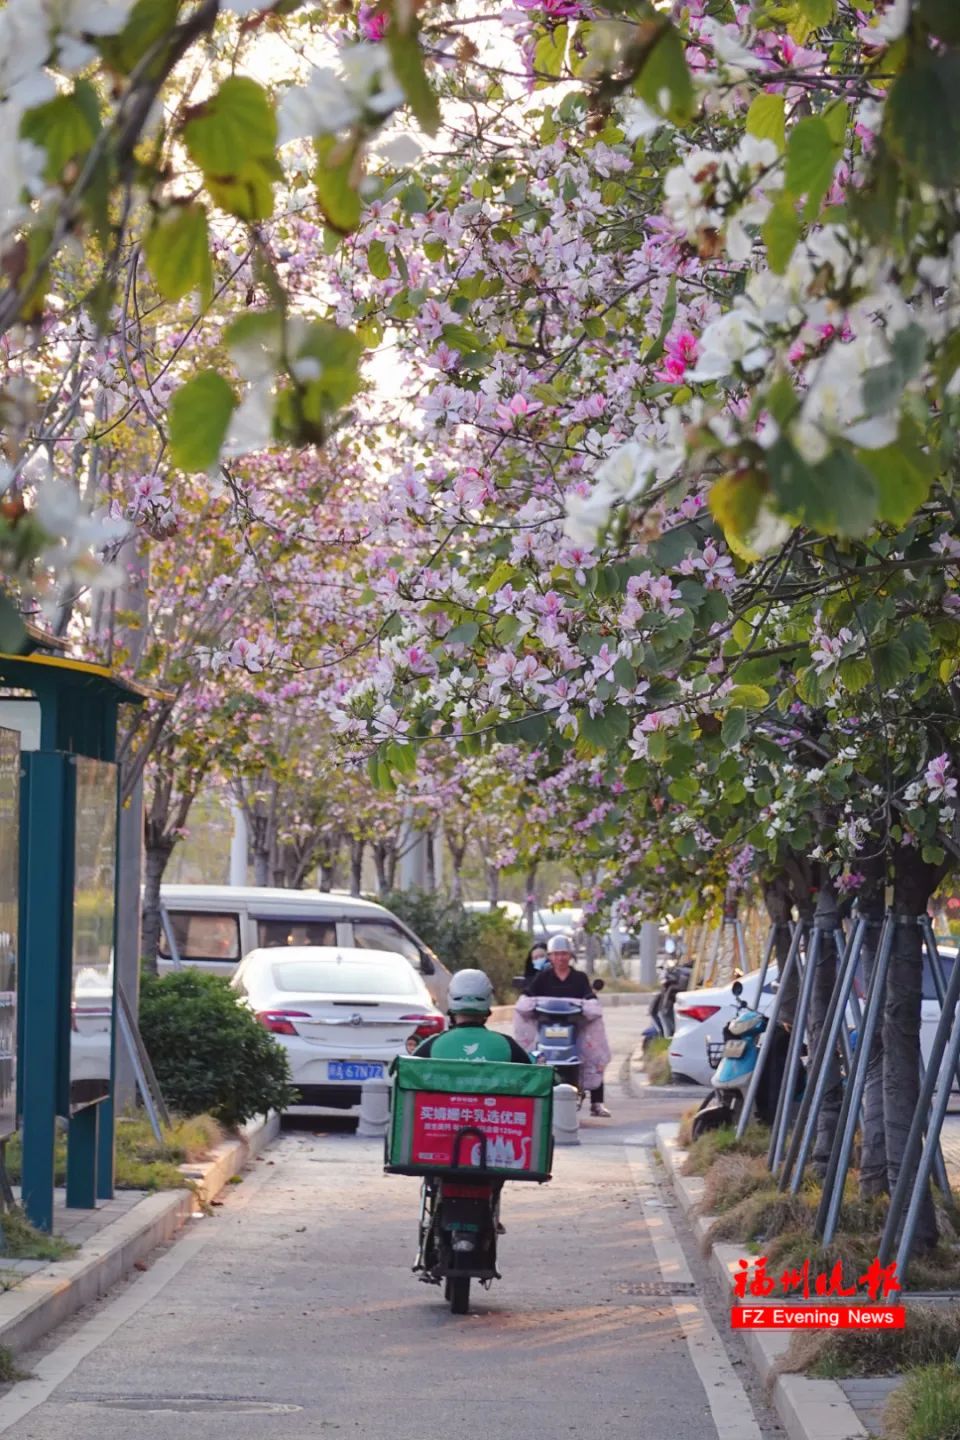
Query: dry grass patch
[931, 1335]
[656, 1061]
[730, 1180]
[702, 1153]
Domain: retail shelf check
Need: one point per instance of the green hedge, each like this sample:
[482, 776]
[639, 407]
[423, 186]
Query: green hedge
[211, 1055]
[464, 939]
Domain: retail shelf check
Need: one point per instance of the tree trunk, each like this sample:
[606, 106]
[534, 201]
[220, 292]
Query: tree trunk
[826, 921]
[328, 874]
[493, 883]
[261, 867]
[429, 838]
[357, 848]
[390, 865]
[458, 850]
[157, 857]
[873, 1149]
[914, 883]
[530, 905]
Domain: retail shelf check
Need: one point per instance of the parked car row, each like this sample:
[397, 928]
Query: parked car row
[701, 1015]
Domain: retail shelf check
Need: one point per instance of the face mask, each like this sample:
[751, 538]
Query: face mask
[539, 962]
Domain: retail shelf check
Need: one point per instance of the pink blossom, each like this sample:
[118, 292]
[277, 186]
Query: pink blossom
[372, 23]
[680, 353]
[940, 784]
[516, 409]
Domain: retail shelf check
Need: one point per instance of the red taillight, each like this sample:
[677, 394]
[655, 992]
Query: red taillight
[453, 1191]
[426, 1025]
[279, 1022]
[699, 1012]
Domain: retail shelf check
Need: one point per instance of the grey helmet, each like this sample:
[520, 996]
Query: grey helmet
[470, 993]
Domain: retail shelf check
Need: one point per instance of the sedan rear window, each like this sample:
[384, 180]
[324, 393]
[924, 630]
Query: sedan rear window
[328, 978]
[296, 932]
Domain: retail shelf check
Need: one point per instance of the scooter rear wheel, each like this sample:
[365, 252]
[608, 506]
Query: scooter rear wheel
[458, 1293]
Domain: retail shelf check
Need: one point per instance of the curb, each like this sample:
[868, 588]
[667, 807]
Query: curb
[50, 1296]
[809, 1409]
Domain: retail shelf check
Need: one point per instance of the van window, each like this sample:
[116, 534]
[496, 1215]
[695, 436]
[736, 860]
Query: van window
[382, 935]
[201, 936]
[296, 932]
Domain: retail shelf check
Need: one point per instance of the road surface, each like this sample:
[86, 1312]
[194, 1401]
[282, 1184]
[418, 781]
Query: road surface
[292, 1314]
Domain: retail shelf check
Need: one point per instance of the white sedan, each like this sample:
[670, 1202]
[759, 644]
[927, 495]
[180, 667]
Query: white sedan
[701, 1015]
[341, 1015]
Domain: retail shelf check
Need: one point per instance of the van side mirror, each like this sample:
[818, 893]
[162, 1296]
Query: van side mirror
[427, 966]
[737, 989]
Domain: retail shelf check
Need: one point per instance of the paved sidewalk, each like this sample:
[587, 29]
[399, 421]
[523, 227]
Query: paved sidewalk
[77, 1226]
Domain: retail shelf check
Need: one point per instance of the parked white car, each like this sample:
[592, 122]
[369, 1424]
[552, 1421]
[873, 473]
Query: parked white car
[341, 1015]
[702, 1014]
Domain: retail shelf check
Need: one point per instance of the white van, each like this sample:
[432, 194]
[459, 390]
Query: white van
[213, 927]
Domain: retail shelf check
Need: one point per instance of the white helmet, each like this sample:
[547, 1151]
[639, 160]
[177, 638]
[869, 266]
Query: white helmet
[470, 992]
[560, 943]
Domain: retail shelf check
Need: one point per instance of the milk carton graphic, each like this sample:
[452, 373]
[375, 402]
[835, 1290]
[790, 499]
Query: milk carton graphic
[502, 1153]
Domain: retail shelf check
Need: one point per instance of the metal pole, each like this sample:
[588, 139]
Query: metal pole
[767, 956]
[791, 1071]
[922, 1178]
[915, 1149]
[742, 945]
[936, 965]
[828, 1212]
[175, 960]
[711, 977]
[767, 1038]
[818, 1072]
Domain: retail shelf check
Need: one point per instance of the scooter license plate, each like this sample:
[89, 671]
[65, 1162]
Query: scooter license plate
[555, 1032]
[733, 1049]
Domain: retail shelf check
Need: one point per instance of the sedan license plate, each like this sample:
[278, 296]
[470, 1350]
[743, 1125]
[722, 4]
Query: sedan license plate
[353, 1070]
[734, 1049]
[555, 1032]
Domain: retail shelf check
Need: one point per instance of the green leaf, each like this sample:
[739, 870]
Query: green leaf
[765, 119]
[922, 117]
[199, 415]
[903, 475]
[666, 322]
[177, 249]
[338, 353]
[734, 727]
[335, 184]
[837, 496]
[735, 501]
[65, 128]
[747, 697]
[665, 73]
[249, 193]
[149, 22]
[818, 12]
[465, 634]
[550, 51]
[891, 663]
[855, 673]
[812, 155]
[415, 201]
[943, 18]
[238, 123]
[407, 61]
[378, 260]
[780, 232]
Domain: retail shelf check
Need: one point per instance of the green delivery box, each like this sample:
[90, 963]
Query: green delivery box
[447, 1113]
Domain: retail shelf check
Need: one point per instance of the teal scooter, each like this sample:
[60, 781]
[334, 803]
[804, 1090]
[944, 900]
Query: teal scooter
[739, 1050]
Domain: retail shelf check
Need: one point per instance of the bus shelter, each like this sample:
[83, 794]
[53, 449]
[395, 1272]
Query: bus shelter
[59, 798]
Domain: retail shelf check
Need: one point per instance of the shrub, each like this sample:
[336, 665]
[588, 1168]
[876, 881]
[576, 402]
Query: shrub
[926, 1406]
[211, 1054]
[464, 939]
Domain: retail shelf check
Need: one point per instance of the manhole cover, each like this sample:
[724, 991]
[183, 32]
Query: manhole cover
[660, 1287]
[196, 1405]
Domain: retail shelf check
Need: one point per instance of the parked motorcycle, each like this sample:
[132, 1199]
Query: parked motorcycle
[739, 1050]
[674, 976]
